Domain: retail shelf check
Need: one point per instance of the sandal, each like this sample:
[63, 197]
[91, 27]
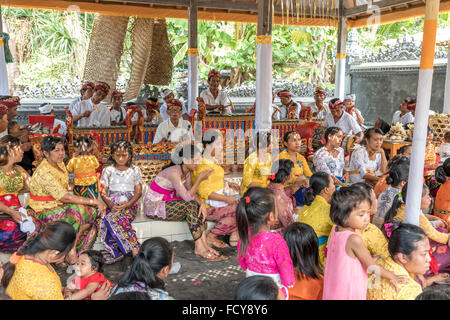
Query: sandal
[217, 243]
[211, 257]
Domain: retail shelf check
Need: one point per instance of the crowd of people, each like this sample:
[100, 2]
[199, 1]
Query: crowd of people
[328, 227]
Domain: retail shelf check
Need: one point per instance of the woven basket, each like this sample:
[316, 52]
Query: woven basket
[105, 49]
[159, 72]
[141, 37]
[440, 124]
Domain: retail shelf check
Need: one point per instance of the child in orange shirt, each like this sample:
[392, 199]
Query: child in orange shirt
[304, 250]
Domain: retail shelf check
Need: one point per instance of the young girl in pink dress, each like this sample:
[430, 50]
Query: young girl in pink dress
[348, 260]
[261, 252]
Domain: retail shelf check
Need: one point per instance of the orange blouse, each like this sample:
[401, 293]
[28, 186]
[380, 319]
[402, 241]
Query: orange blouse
[442, 203]
[306, 289]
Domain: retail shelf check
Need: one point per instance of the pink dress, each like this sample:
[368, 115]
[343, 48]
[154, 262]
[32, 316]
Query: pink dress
[268, 253]
[345, 278]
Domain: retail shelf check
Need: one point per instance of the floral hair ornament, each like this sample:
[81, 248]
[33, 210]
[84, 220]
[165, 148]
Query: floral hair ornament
[388, 228]
[247, 199]
[272, 176]
[14, 258]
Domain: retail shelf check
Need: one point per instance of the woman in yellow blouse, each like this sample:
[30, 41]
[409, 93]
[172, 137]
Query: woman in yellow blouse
[258, 164]
[50, 199]
[293, 143]
[32, 276]
[221, 208]
[316, 211]
[408, 256]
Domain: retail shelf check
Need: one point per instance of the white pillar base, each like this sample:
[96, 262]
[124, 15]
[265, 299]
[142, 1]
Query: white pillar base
[4, 88]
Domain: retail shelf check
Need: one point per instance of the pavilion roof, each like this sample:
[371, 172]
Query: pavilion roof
[325, 13]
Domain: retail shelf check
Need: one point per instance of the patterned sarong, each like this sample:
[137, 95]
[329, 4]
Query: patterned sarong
[90, 192]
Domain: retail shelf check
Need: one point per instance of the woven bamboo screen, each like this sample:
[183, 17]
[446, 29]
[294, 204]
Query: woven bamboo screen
[159, 72]
[142, 36]
[105, 49]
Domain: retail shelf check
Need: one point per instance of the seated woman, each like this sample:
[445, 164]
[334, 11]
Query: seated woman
[368, 158]
[434, 228]
[50, 199]
[408, 249]
[172, 196]
[258, 164]
[293, 143]
[330, 158]
[13, 179]
[316, 211]
[442, 201]
[431, 163]
[220, 207]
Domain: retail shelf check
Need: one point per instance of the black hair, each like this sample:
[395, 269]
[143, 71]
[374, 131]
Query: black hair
[210, 136]
[257, 288]
[304, 250]
[397, 203]
[447, 136]
[367, 188]
[96, 258]
[369, 132]
[7, 142]
[154, 254]
[443, 171]
[435, 292]
[49, 143]
[333, 100]
[182, 152]
[122, 144]
[130, 103]
[284, 167]
[398, 160]
[344, 201]
[397, 175]
[402, 150]
[153, 99]
[83, 144]
[288, 134]
[331, 131]
[58, 235]
[252, 212]
[403, 238]
[317, 182]
[133, 295]
[11, 124]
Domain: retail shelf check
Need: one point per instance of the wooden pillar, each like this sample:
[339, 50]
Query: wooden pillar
[263, 117]
[4, 89]
[192, 55]
[447, 84]
[415, 180]
[339, 79]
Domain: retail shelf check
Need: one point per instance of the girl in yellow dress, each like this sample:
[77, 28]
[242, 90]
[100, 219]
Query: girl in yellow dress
[258, 164]
[302, 172]
[84, 166]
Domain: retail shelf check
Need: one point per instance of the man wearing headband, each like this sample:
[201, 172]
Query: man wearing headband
[216, 100]
[403, 115]
[349, 103]
[168, 95]
[86, 91]
[174, 129]
[153, 114]
[92, 112]
[3, 120]
[118, 113]
[338, 118]
[11, 103]
[46, 109]
[288, 104]
[318, 108]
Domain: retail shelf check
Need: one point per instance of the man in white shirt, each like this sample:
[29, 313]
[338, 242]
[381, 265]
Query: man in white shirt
[46, 109]
[3, 120]
[318, 108]
[338, 118]
[216, 100]
[87, 90]
[153, 115]
[174, 129]
[168, 95]
[288, 104]
[91, 112]
[349, 103]
[11, 103]
[404, 115]
[118, 113]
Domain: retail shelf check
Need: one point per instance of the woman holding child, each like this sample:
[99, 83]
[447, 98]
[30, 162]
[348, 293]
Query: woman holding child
[50, 199]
